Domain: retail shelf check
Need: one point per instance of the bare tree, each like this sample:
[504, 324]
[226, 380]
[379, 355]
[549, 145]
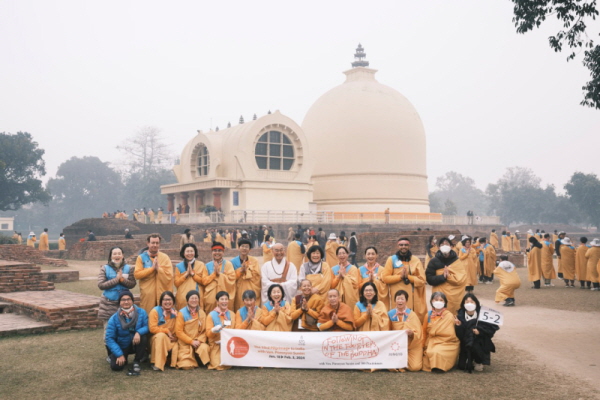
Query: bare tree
[146, 152]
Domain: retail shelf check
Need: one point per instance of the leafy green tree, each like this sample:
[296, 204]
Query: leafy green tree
[584, 191]
[21, 166]
[574, 15]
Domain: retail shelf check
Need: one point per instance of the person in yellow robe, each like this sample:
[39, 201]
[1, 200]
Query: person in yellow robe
[335, 316]
[227, 239]
[370, 314]
[187, 237]
[154, 271]
[276, 313]
[534, 262]
[494, 239]
[188, 274]
[547, 253]
[330, 248]
[296, 251]
[217, 275]
[208, 238]
[440, 344]
[567, 256]
[487, 261]
[345, 278]
[190, 328]
[31, 239]
[247, 273]
[593, 258]
[316, 271]
[62, 243]
[220, 238]
[43, 245]
[248, 315]
[217, 320]
[266, 249]
[509, 282]
[468, 255]
[446, 273]
[159, 216]
[430, 249]
[404, 271]
[151, 216]
[506, 241]
[306, 308]
[516, 242]
[161, 322]
[371, 272]
[581, 261]
[402, 318]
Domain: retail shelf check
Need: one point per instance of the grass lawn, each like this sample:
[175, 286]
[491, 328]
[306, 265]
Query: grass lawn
[86, 287]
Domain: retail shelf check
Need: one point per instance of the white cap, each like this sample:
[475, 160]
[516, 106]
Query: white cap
[566, 241]
[464, 237]
[530, 231]
[516, 231]
[451, 237]
[332, 236]
[31, 234]
[595, 242]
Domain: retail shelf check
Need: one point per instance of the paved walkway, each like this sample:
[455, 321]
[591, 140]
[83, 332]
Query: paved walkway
[52, 300]
[13, 322]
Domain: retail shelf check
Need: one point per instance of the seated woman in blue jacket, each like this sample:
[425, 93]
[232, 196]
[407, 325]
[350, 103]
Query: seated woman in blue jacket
[127, 333]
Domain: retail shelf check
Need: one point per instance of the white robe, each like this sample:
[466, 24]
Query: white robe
[273, 270]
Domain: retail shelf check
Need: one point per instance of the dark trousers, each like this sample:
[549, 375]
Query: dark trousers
[537, 284]
[139, 350]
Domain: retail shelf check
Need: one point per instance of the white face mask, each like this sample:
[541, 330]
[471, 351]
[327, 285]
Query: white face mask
[470, 306]
[438, 305]
[445, 249]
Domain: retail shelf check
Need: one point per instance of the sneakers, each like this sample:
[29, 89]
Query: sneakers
[155, 368]
[478, 367]
[108, 359]
[509, 303]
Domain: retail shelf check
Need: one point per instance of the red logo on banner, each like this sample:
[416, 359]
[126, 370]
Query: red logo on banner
[350, 347]
[237, 347]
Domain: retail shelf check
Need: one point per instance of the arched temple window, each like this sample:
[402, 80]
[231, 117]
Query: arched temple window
[274, 151]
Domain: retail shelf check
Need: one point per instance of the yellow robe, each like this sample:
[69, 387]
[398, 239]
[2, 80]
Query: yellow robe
[509, 281]
[214, 341]
[471, 263]
[184, 240]
[415, 288]
[267, 253]
[281, 322]
[254, 325]
[159, 217]
[382, 288]
[208, 238]
[441, 346]
[315, 305]
[494, 239]
[62, 243]
[160, 344]
[567, 258]
[31, 242]
[219, 238]
[534, 264]
[185, 283]
[433, 250]
[213, 284]
[153, 283]
[321, 281]
[250, 280]
[294, 254]
[378, 321]
[415, 344]
[547, 263]
[581, 263]
[489, 260]
[43, 245]
[187, 332]
[506, 243]
[347, 286]
[330, 249]
[228, 240]
[593, 257]
[516, 243]
[454, 287]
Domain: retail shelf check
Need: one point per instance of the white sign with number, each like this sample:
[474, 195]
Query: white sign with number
[490, 316]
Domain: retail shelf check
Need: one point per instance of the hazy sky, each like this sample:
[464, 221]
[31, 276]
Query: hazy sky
[81, 76]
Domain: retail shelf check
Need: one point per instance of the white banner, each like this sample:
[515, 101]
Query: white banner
[314, 350]
[490, 316]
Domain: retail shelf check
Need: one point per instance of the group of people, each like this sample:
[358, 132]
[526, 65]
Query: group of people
[43, 244]
[321, 293]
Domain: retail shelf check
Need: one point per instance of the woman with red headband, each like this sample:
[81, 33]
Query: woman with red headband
[217, 275]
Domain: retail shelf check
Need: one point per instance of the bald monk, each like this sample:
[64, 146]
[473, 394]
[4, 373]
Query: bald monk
[43, 245]
[345, 278]
[593, 258]
[306, 308]
[581, 261]
[217, 276]
[567, 254]
[296, 251]
[534, 262]
[335, 315]
[547, 262]
[446, 273]
[154, 271]
[316, 271]
[247, 273]
[403, 318]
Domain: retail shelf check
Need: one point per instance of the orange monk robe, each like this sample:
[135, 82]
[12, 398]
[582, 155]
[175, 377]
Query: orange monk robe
[581, 262]
[458, 246]
[567, 258]
[345, 318]
[377, 321]
[214, 339]
[294, 254]
[281, 322]
[330, 248]
[188, 328]
[554, 238]
[159, 216]
[208, 238]
[62, 243]
[509, 281]
[267, 252]
[534, 264]
[441, 346]
[43, 245]
[346, 285]
[308, 246]
[321, 281]
[151, 215]
[160, 344]
[213, 284]
[242, 321]
[249, 280]
[184, 282]
[489, 260]
[454, 287]
[494, 239]
[516, 243]
[309, 318]
[392, 276]
[506, 243]
[31, 241]
[152, 282]
[470, 261]
[228, 240]
[546, 262]
[411, 321]
[433, 250]
[593, 258]
[382, 288]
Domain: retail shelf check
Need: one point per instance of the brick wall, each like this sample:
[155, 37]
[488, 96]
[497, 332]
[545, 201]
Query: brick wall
[19, 277]
[15, 252]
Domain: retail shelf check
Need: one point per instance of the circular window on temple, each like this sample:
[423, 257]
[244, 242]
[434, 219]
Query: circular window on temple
[274, 151]
[201, 160]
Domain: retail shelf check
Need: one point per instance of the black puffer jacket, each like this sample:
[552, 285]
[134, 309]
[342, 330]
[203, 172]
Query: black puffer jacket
[474, 348]
[438, 262]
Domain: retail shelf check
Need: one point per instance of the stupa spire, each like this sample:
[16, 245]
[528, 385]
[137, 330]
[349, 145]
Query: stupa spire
[359, 57]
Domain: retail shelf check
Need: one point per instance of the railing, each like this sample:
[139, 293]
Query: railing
[476, 220]
[281, 216]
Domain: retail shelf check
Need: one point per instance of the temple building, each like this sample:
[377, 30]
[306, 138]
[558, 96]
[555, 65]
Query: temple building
[361, 148]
